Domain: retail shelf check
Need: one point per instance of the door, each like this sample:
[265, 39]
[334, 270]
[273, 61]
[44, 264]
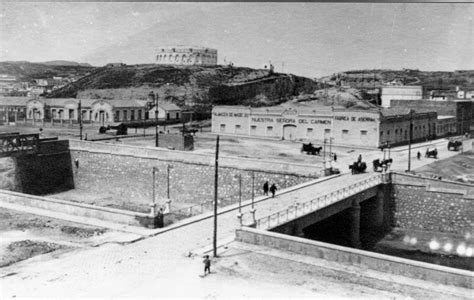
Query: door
[289, 132]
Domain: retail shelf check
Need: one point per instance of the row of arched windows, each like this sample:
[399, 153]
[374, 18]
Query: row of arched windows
[183, 58]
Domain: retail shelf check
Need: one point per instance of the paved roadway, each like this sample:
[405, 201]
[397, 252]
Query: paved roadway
[131, 270]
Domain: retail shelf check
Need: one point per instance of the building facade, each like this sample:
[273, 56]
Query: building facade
[181, 55]
[91, 110]
[404, 92]
[461, 109]
[352, 127]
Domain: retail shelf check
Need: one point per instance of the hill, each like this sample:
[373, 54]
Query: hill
[26, 71]
[369, 79]
[65, 63]
[200, 86]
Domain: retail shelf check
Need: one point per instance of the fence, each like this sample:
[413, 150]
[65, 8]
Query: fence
[300, 209]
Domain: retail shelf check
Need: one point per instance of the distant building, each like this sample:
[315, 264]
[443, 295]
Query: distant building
[461, 110]
[181, 55]
[404, 92]
[345, 126]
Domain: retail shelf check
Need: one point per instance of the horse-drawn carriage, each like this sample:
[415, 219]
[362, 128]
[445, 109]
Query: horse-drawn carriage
[380, 165]
[431, 153]
[455, 145]
[310, 149]
[358, 167]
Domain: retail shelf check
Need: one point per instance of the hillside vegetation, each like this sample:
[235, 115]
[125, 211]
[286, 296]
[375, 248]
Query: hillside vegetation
[26, 71]
[367, 79]
[197, 85]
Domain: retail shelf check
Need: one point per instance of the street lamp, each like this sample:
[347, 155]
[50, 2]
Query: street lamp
[168, 180]
[153, 205]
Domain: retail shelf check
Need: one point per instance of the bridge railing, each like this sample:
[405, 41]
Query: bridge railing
[18, 143]
[300, 209]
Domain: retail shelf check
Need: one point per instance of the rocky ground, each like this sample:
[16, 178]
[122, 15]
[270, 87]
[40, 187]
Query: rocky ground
[25, 236]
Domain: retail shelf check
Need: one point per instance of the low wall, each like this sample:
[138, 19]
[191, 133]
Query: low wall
[427, 204]
[78, 209]
[365, 259]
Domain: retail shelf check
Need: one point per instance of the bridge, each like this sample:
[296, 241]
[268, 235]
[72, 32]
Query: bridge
[16, 144]
[295, 217]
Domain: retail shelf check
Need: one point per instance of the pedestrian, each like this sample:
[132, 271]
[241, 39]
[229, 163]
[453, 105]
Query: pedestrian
[265, 188]
[335, 157]
[76, 162]
[207, 265]
[273, 189]
[418, 155]
[359, 160]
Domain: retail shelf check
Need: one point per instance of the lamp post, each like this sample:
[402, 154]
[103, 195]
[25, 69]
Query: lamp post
[168, 180]
[252, 210]
[153, 205]
[239, 215]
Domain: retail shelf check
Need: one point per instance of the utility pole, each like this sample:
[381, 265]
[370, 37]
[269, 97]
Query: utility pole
[155, 96]
[216, 177]
[409, 140]
[79, 108]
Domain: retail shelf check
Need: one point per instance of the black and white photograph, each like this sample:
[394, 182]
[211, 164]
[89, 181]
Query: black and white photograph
[236, 150]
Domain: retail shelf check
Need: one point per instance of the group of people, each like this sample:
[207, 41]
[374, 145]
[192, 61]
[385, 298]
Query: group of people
[272, 189]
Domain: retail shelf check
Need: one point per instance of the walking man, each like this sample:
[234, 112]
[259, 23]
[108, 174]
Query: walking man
[265, 188]
[418, 155]
[335, 156]
[76, 162]
[273, 189]
[207, 265]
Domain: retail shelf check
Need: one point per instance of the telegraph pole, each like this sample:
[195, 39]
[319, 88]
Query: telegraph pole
[216, 177]
[409, 140]
[79, 116]
[155, 96]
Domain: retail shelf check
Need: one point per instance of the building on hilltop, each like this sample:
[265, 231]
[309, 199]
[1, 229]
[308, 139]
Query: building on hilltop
[181, 55]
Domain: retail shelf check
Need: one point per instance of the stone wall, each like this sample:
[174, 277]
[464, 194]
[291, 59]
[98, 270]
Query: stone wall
[47, 171]
[426, 204]
[357, 258]
[129, 179]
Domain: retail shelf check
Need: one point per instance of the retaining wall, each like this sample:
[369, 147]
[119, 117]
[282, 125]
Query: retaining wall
[427, 204]
[350, 256]
[48, 171]
[78, 209]
[196, 158]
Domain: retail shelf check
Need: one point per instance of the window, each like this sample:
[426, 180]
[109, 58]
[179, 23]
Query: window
[237, 128]
[309, 131]
[381, 133]
[117, 116]
[363, 132]
[396, 131]
[253, 128]
[388, 132]
[125, 115]
[222, 127]
[132, 115]
[269, 129]
[167, 116]
[345, 131]
[139, 114]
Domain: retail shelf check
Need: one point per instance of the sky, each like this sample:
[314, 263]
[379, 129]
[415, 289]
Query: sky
[308, 39]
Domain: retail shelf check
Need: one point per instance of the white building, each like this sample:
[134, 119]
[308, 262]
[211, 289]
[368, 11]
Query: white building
[404, 92]
[183, 55]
